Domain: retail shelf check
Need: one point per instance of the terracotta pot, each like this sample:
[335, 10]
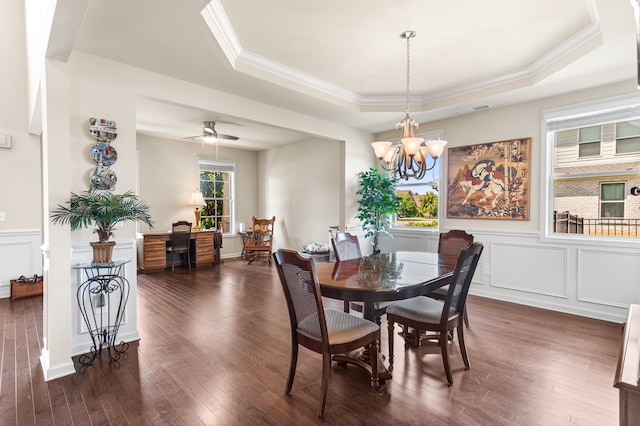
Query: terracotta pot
[102, 253]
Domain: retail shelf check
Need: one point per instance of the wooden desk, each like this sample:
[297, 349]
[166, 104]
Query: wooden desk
[382, 278]
[205, 249]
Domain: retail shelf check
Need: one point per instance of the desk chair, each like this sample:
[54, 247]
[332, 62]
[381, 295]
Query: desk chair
[451, 242]
[260, 242]
[426, 314]
[324, 331]
[179, 243]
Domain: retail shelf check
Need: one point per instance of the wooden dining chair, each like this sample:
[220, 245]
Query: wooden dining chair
[259, 243]
[346, 247]
[425, 314]
[179, 242]
[324, 331]
[451, 243]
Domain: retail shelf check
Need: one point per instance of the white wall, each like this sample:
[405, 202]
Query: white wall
[519, 265]
[300, 185]
[20, 173]
[168, 173]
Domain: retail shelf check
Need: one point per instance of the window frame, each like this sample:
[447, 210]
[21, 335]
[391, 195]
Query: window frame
[623, 200]
[430, 135]
[589, 142]
[624, 139]
[613, 109]
[226, 167]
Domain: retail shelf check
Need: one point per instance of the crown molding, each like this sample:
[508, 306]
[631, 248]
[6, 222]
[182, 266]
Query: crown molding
[242, 60]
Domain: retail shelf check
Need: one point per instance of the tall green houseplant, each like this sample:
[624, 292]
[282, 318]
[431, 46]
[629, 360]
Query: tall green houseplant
[378, 202]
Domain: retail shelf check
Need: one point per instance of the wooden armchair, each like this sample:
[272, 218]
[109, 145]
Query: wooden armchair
[259, 242]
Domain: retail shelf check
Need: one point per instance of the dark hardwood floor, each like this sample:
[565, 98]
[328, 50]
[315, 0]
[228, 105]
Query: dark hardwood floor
[214, 349]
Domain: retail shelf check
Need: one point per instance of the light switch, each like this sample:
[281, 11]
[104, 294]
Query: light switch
[2, 217]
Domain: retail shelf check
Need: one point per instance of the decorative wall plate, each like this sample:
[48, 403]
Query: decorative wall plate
[103, 153]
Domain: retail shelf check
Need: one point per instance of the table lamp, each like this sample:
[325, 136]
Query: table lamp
[196, 200]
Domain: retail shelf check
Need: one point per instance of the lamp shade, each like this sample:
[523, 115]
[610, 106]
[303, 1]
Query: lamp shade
[436, 147]
[196, 199]
[380, 148]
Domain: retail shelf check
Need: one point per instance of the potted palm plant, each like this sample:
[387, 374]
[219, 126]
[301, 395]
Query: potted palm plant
[103, 210]
[378, 202]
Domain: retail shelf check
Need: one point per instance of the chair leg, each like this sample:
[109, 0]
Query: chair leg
[463, 348]
[189, 259]
[293, 361]
[465, 318]
[390, 333]
[326, 370]
[444, 348]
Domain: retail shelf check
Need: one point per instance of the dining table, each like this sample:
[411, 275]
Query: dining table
[382, 277]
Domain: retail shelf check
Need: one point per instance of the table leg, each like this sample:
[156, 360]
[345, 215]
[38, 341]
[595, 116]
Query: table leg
[362, 358]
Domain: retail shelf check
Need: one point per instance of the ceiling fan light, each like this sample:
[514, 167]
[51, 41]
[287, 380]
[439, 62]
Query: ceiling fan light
[209, 138]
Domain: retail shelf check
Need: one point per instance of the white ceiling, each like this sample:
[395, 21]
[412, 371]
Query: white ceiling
[344, 61]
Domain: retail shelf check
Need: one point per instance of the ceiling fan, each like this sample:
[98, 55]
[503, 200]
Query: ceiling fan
[210, 135]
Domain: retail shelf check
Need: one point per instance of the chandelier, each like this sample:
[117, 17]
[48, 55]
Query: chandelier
[408, 159]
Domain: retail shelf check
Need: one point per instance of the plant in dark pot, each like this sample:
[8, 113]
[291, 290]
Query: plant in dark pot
[103, 210]
[378, 202]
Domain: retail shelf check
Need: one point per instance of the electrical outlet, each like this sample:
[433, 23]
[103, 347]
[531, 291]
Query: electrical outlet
[487, 269]
[3, 217]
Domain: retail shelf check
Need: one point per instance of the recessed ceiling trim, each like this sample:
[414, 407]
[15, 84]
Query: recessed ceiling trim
[257, 66]
[218, 23]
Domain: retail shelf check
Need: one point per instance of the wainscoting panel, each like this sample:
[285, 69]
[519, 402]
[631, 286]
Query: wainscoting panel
[578, 277]
[20, 254]
[533, 269]
[608, 285]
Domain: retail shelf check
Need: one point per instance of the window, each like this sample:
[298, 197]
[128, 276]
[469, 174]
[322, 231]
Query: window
[217, 184]
[628, 137]
[589, 194]
[419, 205]
[612, 199]
[589, 141]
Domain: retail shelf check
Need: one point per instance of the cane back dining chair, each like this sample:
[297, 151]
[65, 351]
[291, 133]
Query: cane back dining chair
[259, 242]
[451, 243]
[179, 242]
[426, 314]
[346, 247]
[324, 331]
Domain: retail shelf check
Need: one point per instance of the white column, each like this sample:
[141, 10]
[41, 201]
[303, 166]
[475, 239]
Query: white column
[56, 352]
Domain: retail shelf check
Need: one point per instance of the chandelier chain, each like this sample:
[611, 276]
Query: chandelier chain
[408, 69]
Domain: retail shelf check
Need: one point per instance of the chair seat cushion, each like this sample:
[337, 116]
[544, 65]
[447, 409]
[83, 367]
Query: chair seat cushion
[420, 309]
[344, 328]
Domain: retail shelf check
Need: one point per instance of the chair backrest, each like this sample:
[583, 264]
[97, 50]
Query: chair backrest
[302, 291]
[453, 241]
[346, 246]
[180, 235]
[261, 232]
[461, 279]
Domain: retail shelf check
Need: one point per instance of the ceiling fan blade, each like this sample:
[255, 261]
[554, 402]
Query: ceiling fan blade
[229, 137]
[193, 137]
